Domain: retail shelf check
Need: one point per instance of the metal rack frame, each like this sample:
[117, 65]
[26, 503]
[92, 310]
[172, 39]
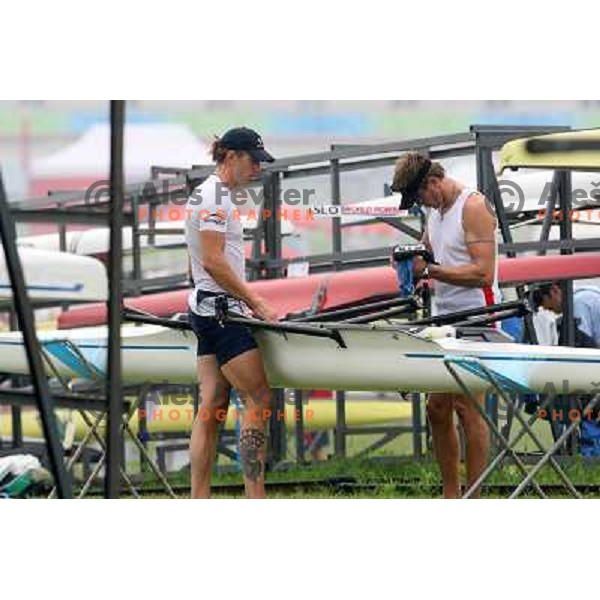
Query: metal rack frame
[71, 207]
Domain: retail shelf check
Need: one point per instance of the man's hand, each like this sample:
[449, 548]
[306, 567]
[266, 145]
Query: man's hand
[404, 251]
[419, 265]
[263, 310]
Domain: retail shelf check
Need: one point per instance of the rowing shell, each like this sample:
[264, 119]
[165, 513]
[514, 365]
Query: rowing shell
[355, 357]
[56, 276]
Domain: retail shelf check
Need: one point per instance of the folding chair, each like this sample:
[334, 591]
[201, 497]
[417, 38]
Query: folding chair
[68, 354]
[505, 386]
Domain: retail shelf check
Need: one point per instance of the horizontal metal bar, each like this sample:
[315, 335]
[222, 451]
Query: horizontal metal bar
[350, 255]
[138, 316]
[172, 231]
[371, 163]
[168, 282]
[381, 255]
[355, 310]
[486, 129]
[379, 430]
[156, 171]
[455, 317]
[282, 327]
[401, 226]
[362, 151]
[19, 397]
[484, 321]
[437, 146]
[77, 196]
[385, 314]
[586, 244]
[56, 215]
[287, 327]
[495, 136]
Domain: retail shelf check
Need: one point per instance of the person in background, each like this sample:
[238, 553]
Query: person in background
[548, 298]
[548, 301]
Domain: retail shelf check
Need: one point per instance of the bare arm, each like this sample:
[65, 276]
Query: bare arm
[425, 239]
[190, 275]
[480, 238]
[214, 262]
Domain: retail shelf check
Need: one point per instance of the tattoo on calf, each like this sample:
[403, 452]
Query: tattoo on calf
[251, 443]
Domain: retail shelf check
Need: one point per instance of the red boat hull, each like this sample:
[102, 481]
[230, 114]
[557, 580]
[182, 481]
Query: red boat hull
[344, 287]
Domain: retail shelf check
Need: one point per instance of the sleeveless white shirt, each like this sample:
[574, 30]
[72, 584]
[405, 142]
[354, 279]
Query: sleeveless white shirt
[447, 238]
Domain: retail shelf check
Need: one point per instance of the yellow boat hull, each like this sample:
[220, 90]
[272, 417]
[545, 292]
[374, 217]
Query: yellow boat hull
[170, 417]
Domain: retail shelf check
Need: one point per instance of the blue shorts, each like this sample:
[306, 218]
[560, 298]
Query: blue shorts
[224, 341]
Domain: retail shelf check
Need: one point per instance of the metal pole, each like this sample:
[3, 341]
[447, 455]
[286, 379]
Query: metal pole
[488, 184]
[340, 424]
[277, 429]
[299, 409]
[17, 429]
[136, 247]
[566, 233]
[115, 301]
[62, 233]
[336, 223]
[272, 224]
[416, 425]
[257, 238]
[549, 216]
[26, 321]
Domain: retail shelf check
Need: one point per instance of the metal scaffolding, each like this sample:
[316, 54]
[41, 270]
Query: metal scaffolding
[41, 395]
[121, 208]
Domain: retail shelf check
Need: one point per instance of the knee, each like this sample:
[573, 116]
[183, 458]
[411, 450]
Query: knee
[259, 396]
[214, 402]
[439, 411]
[468, 415]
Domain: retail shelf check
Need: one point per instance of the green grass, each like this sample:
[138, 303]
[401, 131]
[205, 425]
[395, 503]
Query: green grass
[387, 467]
[422, 475]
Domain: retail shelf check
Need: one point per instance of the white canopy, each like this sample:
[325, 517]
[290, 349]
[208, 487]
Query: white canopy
[171, 145]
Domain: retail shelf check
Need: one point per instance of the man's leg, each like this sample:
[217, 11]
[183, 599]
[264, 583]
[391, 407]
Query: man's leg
[477, 437]
[214, 391]
[440, 411]
[246, 373]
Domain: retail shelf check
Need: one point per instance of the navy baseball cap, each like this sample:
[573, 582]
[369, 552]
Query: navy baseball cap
[243, 138]
[410, 193]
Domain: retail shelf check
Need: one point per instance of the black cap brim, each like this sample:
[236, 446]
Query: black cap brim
[408, 200]
[260, 155]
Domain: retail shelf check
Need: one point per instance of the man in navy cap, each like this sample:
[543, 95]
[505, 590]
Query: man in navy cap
[228, 355]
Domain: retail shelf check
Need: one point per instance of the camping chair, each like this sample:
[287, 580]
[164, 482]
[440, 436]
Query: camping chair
[507, 388]
[68, 354]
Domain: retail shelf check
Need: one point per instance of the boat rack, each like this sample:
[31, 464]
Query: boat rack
[121, 206]
[509, 390]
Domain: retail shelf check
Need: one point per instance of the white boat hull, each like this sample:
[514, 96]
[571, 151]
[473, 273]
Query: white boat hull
[376, 358]
[57, 277]
[387, 360]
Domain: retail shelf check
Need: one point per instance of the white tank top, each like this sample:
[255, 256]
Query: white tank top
[447, 239]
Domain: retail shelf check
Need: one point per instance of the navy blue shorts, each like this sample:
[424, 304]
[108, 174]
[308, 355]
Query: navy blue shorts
[225, 342]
